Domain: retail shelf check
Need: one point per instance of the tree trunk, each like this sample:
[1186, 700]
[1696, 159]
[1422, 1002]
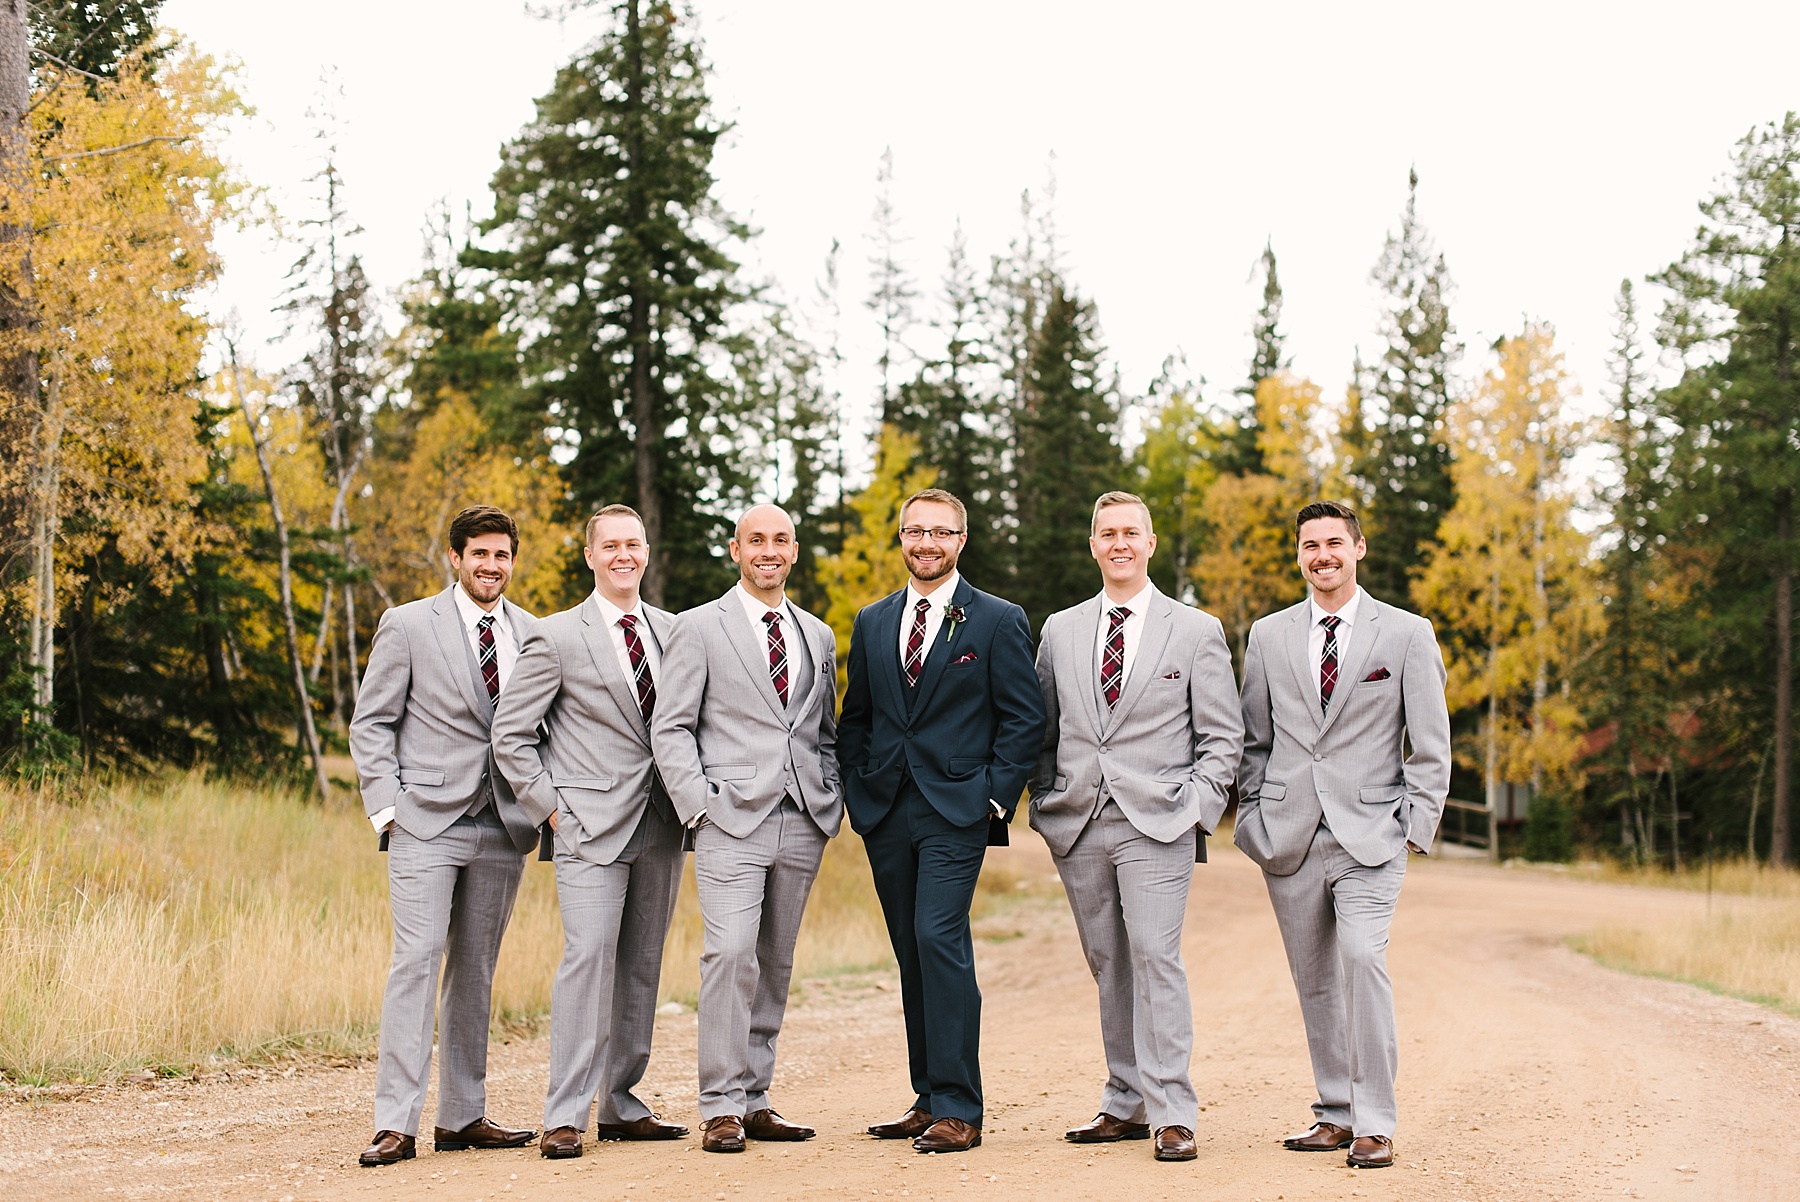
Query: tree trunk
[45, 494]
[1491, 765]
[21, 419]
[647, 432]
[309, 734]
[1784, 679]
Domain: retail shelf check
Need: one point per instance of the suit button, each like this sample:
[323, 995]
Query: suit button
[1318, 759]
[909, 734]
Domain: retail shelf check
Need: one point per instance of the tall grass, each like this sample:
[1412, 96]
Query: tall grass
[158, 923]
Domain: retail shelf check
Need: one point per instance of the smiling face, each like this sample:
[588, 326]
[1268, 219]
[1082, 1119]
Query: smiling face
[618, 553]
[1328, 556]
[1122, 544]
[931, 557]
[484, 568]
[765, 550]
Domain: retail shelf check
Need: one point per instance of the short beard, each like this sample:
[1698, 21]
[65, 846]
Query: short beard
[746, 573]
[475, 588]
[945, 566]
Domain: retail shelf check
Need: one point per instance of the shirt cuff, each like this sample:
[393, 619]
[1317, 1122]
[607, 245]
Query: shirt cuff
[999, 810]
[696, 820]
[382, 820]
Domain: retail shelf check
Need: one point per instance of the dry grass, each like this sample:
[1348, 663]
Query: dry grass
[159, 924]
[1747, 946]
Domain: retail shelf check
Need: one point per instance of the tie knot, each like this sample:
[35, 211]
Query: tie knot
[924, 603]
[1331, 621]
[771, 618]
[1119, 614]
[628, 621]
[486, 621]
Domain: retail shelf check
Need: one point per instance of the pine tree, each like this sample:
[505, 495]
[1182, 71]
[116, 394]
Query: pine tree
[892, 299]
[1267, 358]
[79, 37]
[1404, 470]
[615, 258]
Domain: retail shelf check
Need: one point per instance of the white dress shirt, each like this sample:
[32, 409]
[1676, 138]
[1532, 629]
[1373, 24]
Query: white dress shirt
[609, 617]
[1134, 629]
[1315, 636]
[506, 654]
[754, 609]
[934, 614]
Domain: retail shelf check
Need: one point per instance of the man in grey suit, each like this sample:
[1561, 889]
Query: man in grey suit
[1335, 689]
[1142, 743]
[456, 838]
[746, 736]
[572, 737]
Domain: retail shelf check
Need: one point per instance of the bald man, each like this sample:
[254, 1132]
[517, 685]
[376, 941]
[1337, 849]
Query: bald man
[746, 738]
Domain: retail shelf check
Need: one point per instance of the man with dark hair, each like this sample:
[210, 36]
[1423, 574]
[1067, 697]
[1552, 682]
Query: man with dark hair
[941, 725]
[572, 737]
[1336, 690]
[456, 838]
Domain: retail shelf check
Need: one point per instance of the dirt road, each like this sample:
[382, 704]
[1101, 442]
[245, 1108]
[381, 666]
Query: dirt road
[1526, 1072]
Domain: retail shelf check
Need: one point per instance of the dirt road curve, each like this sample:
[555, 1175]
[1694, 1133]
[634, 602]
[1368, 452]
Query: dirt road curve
[1526, 1072]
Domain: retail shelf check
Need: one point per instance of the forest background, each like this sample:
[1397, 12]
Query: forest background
[198, 542]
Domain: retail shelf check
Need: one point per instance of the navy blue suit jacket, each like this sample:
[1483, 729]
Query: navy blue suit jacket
[968, 732]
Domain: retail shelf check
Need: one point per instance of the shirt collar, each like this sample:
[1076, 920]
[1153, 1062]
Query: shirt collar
[1137, 604]
[471, 613]
[610, 613]
[946, 590]
[1346, 615]
[755, 607]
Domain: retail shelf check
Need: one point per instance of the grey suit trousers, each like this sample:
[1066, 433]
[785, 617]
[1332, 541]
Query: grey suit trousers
[752, 894]
[1334, 914]
[603, 1005]
[1129, 894]
[451, 898]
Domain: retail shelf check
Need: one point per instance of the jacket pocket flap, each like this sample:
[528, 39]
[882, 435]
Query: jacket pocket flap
[585, 782]
[960, 764]
[421, 776]
[1272, 789]
[729, 771]
[1062, 781]
[1382, 794]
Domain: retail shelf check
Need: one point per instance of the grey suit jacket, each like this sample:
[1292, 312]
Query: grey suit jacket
[1349, 764]
[570, 737]
[724, 741]
[420, 735]
[1166, 753]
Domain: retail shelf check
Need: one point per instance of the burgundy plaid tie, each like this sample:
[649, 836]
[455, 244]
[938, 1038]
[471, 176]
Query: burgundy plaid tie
[915, 643]
[490, 656]
[1328, 661]
[1112, 664]
[777, 656]
[640, 665]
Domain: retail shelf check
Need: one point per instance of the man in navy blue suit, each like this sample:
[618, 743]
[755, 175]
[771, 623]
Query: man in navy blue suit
[941, 726]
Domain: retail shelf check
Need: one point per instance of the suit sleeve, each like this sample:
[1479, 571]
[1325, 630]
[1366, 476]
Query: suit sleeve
[1218, 723]
[1018, 710]
[854, 722]
[1259, 722]
[380, 707]
[828, 744]
[675, 728]
[1044, 775]
[531, 689]
[1427, 770]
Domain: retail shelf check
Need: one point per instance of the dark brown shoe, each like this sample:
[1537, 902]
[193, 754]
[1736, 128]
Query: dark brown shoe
[948, 1135]
[1105, 1129]
[479, 1134]
[1175, 1143]
[766, 1124]
[648, 1127]
[560, 1143]
[1322, 1137]
[1371, 1152]
[910, 1125]
[722, 1134]
[390, 1147]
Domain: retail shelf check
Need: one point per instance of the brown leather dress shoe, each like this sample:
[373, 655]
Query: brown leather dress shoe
[724, 1133]
[560, 1143]
[766, 1124]
[1105, 1129]
[479, 1134]
[1322, 1137]
[1175, 1143]
[910, 1125]
[648, 1127]
[948, 1135]
[390, 1147]
[1371, 1152]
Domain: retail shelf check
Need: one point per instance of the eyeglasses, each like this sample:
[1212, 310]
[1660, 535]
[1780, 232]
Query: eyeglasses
[939, 534]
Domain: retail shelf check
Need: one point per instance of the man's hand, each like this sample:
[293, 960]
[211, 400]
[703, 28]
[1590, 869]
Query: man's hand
[552, 819]
[1414, 847]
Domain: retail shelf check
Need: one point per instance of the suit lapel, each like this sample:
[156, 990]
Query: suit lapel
[606, 662]
[1355, 658]
[884, 659]
[753, 652]
[459, 657]
[1299, 635]
[1086, 623]
[943, 648]
[1149, 653]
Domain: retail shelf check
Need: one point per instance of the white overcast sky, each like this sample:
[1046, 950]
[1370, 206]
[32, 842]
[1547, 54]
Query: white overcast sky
[1561, 146]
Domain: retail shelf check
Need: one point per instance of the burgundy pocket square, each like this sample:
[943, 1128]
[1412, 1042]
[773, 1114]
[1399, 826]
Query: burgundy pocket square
[1175, 675]
[967, 657]
[1377, 674]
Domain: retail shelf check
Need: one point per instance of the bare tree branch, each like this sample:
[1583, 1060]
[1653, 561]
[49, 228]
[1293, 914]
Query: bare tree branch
[142, 142]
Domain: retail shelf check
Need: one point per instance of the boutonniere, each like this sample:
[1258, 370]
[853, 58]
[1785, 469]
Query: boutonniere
[953, 617]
